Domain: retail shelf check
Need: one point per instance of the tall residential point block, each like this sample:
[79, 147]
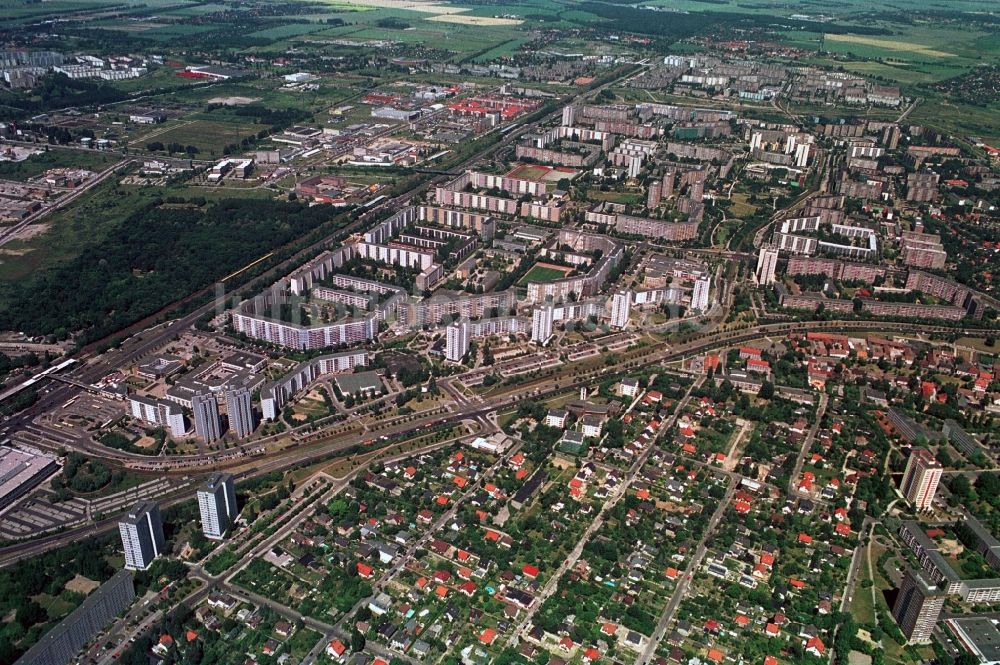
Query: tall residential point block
[917, 607]
[699, 296]
[621, 308]
[767, 261]
[217, 503]
[541, 324]
[921, 478]
[568, 116]
[240, 410]
[457, 341]
[207, 423]
[142, 535]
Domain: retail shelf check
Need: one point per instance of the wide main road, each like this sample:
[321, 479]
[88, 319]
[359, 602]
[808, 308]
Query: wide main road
[535, 389]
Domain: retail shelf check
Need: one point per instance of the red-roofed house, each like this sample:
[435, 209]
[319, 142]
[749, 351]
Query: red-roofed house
[335, 649]
[815, 646]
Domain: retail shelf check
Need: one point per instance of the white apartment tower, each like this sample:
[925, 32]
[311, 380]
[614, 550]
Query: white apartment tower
[142, 535]
[541, 324]
[217, 503]
[568, 116]
[767, 261]
[207, 424]
[457, 341]
[621, 308]
[239, 407]
[699, 297]
[921, 478]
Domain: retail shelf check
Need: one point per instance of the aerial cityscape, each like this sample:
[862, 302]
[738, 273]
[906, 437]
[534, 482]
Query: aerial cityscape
[469, 332]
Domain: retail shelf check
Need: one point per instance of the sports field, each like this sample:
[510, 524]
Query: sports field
[544, 272]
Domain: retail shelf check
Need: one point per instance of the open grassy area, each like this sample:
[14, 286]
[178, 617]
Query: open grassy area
[960, 119]
[57, 158]
[543, 273]
[615, 197]
[209, 136]
[64, 234]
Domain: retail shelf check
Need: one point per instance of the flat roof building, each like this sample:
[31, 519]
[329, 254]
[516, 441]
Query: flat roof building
[20, 471]
[62, 643]
[142, 535]
[979, 636]
[217, 504]
[921, 478]
[917, 607]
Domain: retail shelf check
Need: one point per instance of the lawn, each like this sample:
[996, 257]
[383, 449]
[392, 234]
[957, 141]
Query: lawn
[542, 272]
[615, 197]
[741, 206]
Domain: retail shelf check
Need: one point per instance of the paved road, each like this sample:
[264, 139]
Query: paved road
[609, 503]
[532, 389]
[856, 563]
[807, 443]
[685, 580]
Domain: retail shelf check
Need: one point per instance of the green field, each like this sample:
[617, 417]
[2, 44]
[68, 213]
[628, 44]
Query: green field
[209, 136]
[543, 273]
[64, 234]
[53, 158]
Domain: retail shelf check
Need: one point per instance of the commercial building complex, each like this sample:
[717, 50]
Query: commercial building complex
[20, 471]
